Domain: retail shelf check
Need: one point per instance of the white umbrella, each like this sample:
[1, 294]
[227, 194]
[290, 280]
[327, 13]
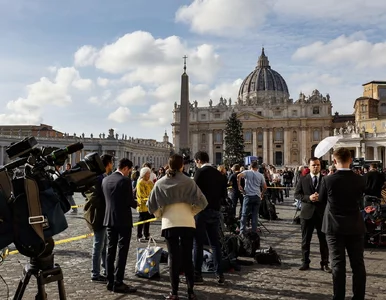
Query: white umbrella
[325, 145]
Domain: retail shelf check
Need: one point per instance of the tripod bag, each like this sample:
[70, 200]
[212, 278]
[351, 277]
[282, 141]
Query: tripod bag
[6, 195]
[27, 218]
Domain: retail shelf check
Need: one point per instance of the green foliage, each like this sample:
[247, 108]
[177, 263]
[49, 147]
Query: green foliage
[234, 141]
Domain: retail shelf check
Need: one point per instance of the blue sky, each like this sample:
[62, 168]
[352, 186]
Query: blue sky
[89, 65]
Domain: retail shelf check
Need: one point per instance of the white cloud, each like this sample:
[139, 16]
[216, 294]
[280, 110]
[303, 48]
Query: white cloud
[21, 119]
[352, 11]
[103, 82]
[343, 51]
[106, 95]
[227, 90]
[223, 17]
[132, 96]
[120, 115]
[50, 92]
[142, 58]
[85, 56]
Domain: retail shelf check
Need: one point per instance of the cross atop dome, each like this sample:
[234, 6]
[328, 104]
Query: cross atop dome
[263, 61]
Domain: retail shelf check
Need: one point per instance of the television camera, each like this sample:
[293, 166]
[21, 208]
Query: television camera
[33, 203]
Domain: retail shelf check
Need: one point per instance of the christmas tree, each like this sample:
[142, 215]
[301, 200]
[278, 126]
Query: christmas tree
[234, 141]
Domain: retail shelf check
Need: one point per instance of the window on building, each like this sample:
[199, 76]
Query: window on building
[248, 136]
[383, 108]
[259, 113]
[260, 137]
[294, 136]
[277, 113]
[364, 107]
[294, 113]
[279, 135]
[316, 135]
[218, 137]
[217, 116]
[203, 116]
[315, 110]
[203, 138]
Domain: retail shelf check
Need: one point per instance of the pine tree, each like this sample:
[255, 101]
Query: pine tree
[234, 141]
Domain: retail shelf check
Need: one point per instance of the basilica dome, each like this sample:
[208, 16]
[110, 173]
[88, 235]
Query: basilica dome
[263, 82]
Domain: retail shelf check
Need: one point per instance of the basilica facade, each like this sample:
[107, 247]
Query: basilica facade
[282, 130]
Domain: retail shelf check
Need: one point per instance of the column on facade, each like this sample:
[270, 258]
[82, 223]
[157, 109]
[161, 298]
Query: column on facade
[73, 159]
[270, 146]
[1, 155]
[194, 149]
[364, 150]
[287, 144]
[376, 148]
[82, 154]
[265, 145]
[358, 153]
[303, 147]
[210, 141]
[254, 142]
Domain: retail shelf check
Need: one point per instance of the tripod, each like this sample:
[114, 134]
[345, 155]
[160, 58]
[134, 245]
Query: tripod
[45, 272]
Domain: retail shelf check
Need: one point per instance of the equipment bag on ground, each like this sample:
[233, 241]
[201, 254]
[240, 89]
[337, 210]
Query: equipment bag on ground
[148, 260]
[267, 257]
[249, 242]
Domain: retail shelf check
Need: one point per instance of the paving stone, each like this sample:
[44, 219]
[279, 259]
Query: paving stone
[252, 282]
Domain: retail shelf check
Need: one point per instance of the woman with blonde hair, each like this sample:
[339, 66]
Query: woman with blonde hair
[144, 187]
[177, 199]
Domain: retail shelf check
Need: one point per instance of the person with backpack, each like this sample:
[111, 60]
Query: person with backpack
[94, 213]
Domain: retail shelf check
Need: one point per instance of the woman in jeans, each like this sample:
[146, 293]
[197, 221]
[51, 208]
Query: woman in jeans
[177, 199]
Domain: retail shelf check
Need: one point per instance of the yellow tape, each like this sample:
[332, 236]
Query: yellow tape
[76, 206]
[84, 236]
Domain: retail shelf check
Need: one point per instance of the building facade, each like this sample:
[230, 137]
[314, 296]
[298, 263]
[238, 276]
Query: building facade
[366, 137]
[281, 130]
[137, 150]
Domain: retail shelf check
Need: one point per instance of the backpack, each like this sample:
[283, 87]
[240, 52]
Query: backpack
[267, 257]
[267, 210]
[95, 207]
[249, 242]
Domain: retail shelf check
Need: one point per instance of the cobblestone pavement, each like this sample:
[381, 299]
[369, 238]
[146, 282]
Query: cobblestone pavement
[252, 282]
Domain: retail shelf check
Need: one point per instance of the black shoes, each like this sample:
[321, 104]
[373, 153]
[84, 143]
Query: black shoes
[99, 279]
[220, 279]
[326, 269]
[198, 280]
[121, 288]
[304, 267]
[172, 297]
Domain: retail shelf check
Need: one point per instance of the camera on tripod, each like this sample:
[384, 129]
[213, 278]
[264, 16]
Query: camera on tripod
[33, 201]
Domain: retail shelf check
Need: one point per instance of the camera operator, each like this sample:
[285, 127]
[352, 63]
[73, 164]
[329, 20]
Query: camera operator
[94, 213]
[287, 178]
[118, 192]
[70, 195]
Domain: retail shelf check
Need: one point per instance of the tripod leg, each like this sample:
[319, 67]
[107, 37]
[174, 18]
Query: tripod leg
[22, 286]
[62, 292]
[42, 295]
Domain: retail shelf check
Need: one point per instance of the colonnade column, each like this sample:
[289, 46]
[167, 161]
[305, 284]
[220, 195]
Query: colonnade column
[210, 135]
[254, 143]
[287, 143]
[270, 148]
[265, 145]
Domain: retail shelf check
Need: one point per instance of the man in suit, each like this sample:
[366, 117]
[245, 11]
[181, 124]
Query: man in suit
[213, 186]
[311, 214]
[118, 193]
[343, 224]
[374, 181]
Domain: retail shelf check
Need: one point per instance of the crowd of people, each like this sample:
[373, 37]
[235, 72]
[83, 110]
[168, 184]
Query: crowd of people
[189, 211]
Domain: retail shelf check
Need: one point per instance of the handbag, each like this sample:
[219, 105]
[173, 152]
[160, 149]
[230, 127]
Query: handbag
[148, 260]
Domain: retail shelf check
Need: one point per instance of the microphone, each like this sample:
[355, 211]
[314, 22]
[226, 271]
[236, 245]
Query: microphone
[58, 154]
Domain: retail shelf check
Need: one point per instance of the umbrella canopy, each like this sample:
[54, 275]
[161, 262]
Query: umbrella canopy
[325, 145]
